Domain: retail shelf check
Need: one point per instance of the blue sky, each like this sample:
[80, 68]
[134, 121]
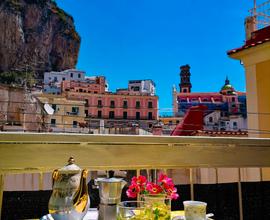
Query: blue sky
[151, 39]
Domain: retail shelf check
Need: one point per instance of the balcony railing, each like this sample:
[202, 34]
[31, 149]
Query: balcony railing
[40, 153]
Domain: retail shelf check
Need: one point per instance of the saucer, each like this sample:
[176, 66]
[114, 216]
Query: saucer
[181, 217]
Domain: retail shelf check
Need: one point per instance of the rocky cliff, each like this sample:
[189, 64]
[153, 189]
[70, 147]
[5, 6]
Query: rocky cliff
[36, 35]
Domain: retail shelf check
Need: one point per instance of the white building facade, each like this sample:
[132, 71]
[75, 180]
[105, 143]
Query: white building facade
[215, 121]
[146, 86]
[52, 80]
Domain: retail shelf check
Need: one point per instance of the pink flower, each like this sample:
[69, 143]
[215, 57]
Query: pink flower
[166, 182]
[173, 193]
[133, 191]
[153, 188]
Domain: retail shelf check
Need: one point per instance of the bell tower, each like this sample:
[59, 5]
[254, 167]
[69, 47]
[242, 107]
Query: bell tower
[185, 85]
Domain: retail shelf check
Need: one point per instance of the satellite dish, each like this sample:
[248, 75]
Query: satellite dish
[48, 109]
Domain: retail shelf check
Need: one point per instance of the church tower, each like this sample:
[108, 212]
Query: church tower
[185, 85]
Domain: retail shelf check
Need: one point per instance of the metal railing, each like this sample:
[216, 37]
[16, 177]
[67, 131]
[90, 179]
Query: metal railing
[41, 153]
[262, 14]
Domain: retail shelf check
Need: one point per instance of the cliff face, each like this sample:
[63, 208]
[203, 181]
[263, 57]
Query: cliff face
[36, 35]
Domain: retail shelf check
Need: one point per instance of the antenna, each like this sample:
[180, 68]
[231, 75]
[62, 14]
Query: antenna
[48, 109]
[255, 8]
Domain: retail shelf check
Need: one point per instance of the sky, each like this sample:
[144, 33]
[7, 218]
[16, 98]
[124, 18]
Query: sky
[150, 39]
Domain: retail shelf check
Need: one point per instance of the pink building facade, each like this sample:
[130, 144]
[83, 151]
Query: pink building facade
[121, 109]
[95, 85]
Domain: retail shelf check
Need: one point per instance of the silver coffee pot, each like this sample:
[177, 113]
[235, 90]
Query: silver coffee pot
[110, 190]
[69, 199]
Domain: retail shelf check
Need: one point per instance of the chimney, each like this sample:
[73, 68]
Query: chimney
[250, 26]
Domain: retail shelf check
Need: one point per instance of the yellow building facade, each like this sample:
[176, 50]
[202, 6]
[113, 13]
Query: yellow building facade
[255, 57]
[68, 114]
[256, 61]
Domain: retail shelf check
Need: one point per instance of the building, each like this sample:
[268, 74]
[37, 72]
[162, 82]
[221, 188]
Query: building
[124, 108]
[118, 110]
[214, 121]
[226, 109]
[145, 87]
[255, 58]
[68, 114]
[96, 85]
[20, 110]
[168, 123]
[52, 80]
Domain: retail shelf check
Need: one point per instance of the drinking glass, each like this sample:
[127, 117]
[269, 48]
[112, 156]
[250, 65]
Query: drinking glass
[132, 210]
[158, 206]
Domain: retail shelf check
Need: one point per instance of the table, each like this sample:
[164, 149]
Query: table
[92, 214]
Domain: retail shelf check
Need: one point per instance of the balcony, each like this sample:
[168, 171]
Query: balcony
[40, 153]
[72, 113]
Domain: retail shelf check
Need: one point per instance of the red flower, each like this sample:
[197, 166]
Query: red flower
[133, 191]
[140, 180]
[140, 185]
[153, 188]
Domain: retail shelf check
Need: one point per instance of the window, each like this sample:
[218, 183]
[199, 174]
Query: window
[53, 122]
[99, 103]
[80, 90]
[111, 114]
[177, 121]
[75, 124]
[234, 125]
[86, 103]
[185, 90]
[125, 115]
[112, 104]
[55, 79]
[75, 110]
[150, 116]
[135, 88]
[138, 104]
[63, 78]
[79, 75]
[210, 119]
[150, 104]
[125, 104]
[138, 115]
[99, 114]
[71, 75]
[233, 99]
[86, 113]
[54, 107]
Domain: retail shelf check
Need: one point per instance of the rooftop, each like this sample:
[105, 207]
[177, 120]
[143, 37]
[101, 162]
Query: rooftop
[257, 37]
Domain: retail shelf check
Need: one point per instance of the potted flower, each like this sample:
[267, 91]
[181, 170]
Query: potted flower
[157, 196]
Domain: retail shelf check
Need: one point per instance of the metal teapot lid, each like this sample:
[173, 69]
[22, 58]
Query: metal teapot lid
[109, 180]
[70, 168]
